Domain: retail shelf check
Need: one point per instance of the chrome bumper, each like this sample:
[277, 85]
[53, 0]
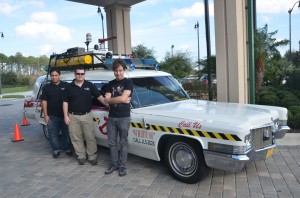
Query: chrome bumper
[234, 163]
[282, 130]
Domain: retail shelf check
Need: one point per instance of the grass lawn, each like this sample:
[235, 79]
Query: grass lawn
[16, 89]
[13, 96]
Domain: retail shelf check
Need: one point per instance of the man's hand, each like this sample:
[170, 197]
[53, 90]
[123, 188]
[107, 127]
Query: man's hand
[46, 119]
[67, 120]
[128, 100]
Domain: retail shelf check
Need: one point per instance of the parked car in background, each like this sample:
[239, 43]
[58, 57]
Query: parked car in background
[204, 79]
[189, 79]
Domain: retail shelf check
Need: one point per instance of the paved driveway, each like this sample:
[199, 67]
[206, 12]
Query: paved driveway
[27, 169]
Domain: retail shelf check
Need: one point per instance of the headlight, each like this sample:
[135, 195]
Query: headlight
[229, 149]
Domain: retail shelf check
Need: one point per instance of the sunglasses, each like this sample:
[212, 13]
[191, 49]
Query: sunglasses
[80, 74]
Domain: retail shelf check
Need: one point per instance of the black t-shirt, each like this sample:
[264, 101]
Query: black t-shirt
[80, 98]
[53, 95]
[116, 88]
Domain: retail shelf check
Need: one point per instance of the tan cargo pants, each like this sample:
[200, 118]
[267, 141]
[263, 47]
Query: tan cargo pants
[82, 128]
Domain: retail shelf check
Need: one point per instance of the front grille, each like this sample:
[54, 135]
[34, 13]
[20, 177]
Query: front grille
[259, 140]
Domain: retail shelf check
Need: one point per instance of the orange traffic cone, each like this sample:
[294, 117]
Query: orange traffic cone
[17, 135]
[25, 122]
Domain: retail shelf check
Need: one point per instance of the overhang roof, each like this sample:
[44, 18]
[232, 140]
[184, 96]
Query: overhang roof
[104, 3]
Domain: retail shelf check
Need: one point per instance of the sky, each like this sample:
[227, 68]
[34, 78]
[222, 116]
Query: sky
[44, 27]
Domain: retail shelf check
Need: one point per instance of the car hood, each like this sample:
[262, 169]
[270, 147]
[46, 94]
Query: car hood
[213, 115]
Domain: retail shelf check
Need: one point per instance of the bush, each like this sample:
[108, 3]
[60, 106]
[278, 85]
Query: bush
[297, 121]
[267, 97]
[23, 81]
[290, 121]
[9, 79]
[198, 90]
[293, 79]
[289, 100]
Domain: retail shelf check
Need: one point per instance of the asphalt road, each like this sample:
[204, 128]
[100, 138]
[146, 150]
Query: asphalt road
[27, 169]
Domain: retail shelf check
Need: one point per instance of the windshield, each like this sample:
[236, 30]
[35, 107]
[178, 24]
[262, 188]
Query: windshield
[148, 91]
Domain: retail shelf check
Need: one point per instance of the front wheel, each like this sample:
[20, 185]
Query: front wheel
[184, 159]
[45, 130]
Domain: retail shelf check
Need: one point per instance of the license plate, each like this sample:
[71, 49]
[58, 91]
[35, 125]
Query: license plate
[270, 152]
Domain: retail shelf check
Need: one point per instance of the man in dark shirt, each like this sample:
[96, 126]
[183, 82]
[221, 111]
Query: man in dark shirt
[53, 114]
[77, 104]
[118, 97]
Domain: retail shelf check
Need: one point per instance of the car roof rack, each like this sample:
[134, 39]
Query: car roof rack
[75, 57]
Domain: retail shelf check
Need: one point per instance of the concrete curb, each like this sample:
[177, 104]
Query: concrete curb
[290, 139]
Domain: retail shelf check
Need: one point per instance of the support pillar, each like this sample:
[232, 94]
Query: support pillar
[231, 50]
[118, 24]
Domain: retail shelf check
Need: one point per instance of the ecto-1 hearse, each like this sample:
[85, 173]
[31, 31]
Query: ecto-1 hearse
[189, 135]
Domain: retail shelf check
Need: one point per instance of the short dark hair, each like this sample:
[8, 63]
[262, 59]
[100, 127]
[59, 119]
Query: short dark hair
[117, 63]
[54, 69]
[79, 68]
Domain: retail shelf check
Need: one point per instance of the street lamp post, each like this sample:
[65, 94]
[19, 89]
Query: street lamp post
[88, 40]
[172, 47]
[290, 28]
[197, 27]
[299, 46]
[2, 36]
[100, 13]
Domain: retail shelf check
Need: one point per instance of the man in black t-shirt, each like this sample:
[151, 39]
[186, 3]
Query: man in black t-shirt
[77, 104]
[53, 114]
[118, 96]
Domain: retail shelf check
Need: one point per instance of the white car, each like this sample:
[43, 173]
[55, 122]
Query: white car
[190, 135]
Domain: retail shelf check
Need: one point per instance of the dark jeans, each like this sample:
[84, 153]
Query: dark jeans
[55, 126]
[115, 127]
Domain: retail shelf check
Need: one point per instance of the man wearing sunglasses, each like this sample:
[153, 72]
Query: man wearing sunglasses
[77, 115]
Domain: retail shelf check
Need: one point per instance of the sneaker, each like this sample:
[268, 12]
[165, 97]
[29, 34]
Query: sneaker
[56, 154]
[69, 152]
[93, 162]
[111, 169]
[122, 171]
[81, 161]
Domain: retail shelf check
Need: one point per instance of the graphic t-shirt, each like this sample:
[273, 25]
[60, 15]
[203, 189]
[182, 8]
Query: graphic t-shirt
[116, 88]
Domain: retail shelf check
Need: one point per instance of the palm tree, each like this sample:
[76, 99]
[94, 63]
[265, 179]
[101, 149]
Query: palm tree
[265, 48]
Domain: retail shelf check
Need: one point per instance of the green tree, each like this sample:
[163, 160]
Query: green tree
[9, 79]
[276, 70]
[3, 61]
[141, 51]
[212, 62]
[295, 57]
[265, 48]
[179, 65]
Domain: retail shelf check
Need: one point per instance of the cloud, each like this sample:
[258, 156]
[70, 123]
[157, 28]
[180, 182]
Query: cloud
[45, 49]
[37, 3]
[278, 6]
[184, 47]
[49, 17]
[266, 19]
[7, 9]
[42, 25]
[196, 10]
[177, 22]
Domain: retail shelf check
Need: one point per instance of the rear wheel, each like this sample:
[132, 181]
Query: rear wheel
[185, 160]
[45, 130]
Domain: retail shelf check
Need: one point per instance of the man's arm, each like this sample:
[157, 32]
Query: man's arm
[66, 113]
[102, 100]
[124, 98]
[44, 107]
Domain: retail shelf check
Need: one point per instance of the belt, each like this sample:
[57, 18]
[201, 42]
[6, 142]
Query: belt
[78, 113]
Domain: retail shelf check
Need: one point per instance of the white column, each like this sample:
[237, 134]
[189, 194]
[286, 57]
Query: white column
[118, 24]
[231, 50]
